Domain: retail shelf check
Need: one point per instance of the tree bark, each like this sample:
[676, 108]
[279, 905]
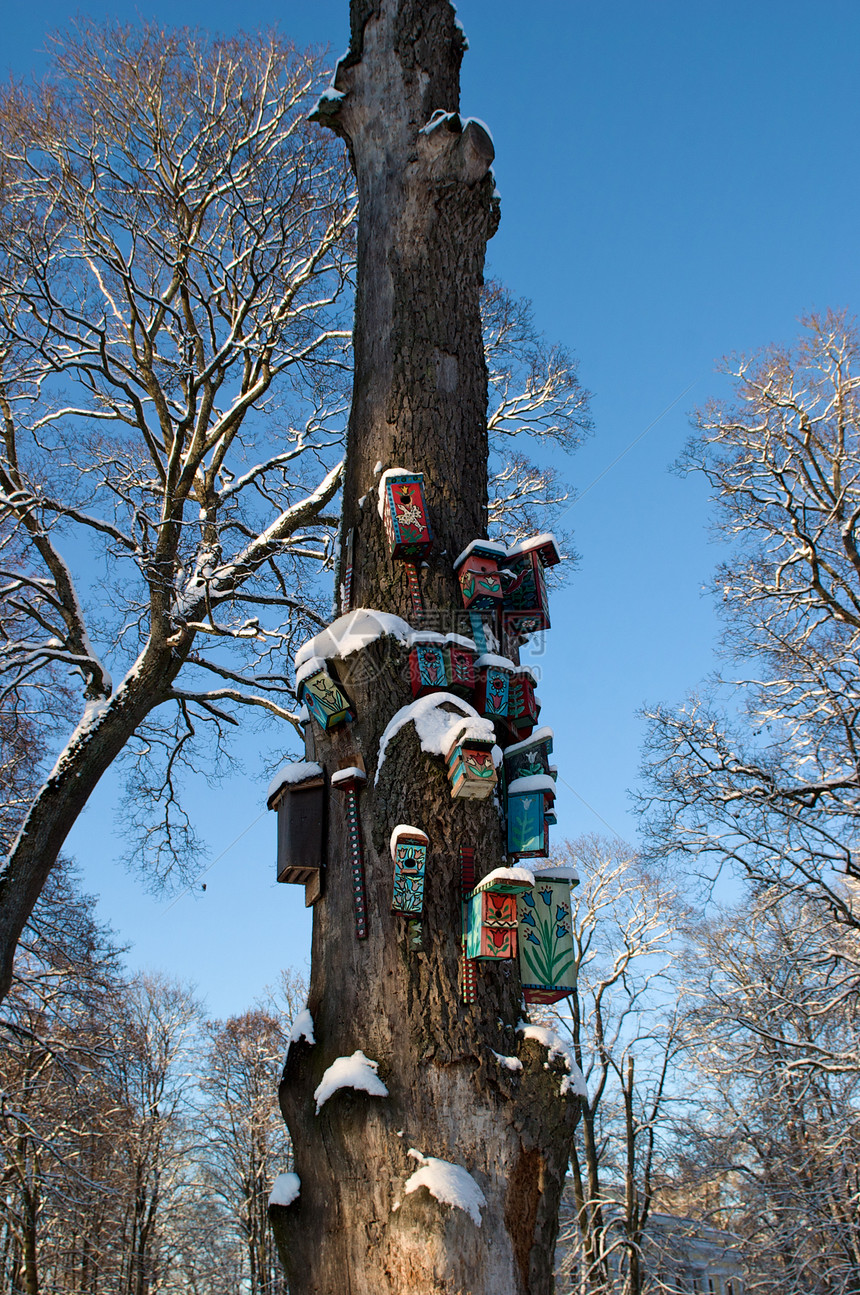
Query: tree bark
[427, 208]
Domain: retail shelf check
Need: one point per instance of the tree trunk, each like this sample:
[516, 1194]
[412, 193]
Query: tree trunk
[427, 208]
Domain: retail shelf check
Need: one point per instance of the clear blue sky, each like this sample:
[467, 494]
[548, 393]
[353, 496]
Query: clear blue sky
[678, 181]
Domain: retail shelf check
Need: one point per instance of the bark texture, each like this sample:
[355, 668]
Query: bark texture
[426, 211]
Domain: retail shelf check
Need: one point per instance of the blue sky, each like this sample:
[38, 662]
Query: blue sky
[678, 181]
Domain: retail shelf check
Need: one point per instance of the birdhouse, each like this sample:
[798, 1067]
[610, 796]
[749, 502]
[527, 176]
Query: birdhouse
[545, 937]
[427, 666]
[460, 665]
[527, 801]
[298, 793]
[477, 569]
[409, 854]
[491, 916]
[530, 756]
[526, 608]
[523, 706]
[328, 705]
[404, 515]
[471, 771]
[492, 685]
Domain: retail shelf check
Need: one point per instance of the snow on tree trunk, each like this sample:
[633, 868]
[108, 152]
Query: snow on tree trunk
[420, 392]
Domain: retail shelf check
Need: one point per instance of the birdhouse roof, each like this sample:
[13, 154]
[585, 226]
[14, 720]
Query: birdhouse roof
[507, 880]
[410, 833]
[544, 545]
[482, 549]
[291, 775]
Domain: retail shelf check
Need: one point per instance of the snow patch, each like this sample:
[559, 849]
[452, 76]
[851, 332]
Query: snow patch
[574, 1080]
[357, 1071]
[285, 1189]
[301, 1028]
[450, 1184]
[350, 633]
[437, 729]
[508, 1063]
[298, 771]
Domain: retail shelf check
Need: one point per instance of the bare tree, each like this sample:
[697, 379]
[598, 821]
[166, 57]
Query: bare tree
[762, 771]
[534, 393]
[771, 1143]
[175, 248]
[59, 1113]
[246, 1144]
[622, 1023]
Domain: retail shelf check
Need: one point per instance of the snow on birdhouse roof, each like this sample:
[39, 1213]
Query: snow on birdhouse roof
[357, 1071]
[561, 873]
[483, 548]
[311, 665]
[451, 1184]
[538, 735]
[491, 658]
[424, 636]
[533, 782]
[295, 772]
[546, 541]
[347, 775]
[351, 633]
[522, 878]
[405, 829]
[383, 482]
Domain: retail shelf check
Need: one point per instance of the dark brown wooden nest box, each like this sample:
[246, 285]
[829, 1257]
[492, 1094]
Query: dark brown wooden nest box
[302, 823]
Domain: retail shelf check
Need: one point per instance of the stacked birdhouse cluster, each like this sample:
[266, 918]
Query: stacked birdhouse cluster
[494, 750]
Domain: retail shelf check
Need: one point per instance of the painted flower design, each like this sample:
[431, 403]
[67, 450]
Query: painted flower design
[545, 893]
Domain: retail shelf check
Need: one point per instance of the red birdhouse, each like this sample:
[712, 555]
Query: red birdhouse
[526, 609]
[491, 930]
[427, 665]
[477, 569]
[404, 514]
[523, 705]
[460, 662]
[492, 687]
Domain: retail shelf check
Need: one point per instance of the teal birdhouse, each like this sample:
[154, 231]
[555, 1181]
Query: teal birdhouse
[529, 756]
[409, 855]
[325, 700]
[528, 800]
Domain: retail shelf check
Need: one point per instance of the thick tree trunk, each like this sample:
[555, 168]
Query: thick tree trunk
[426, 211]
